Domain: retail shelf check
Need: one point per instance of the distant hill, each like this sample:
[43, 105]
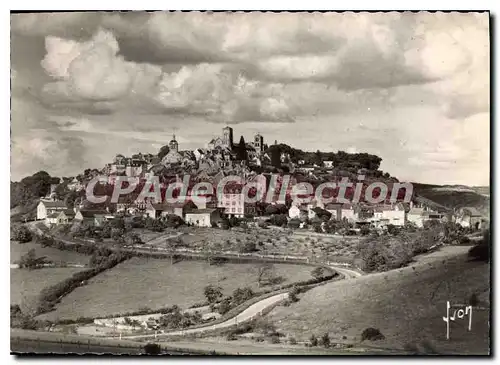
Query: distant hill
[456, 196]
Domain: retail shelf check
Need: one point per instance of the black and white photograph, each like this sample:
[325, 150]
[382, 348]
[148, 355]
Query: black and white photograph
[221, 183]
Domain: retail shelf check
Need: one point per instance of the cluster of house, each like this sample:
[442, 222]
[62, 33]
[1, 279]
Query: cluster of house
[233, 204]
[55, 213]
[380, 216]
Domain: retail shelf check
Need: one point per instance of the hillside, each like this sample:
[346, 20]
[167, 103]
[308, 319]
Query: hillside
[453, 197]
[407, 305]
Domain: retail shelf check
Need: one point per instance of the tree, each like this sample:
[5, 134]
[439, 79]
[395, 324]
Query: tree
[294, 223]
[279, 220]
[318, 272]
[225, 223]
[392, 229]
[224, 306]
[365, 230]
[21, 234]
[325, 340]
[242, 295]
[30, 261]
[241, 152]
[323, 214]
[276, 157]
[292, 295]
[212, 293]
[163, 151]
[266, 273]
[318, 158]
[313, 341]
[171, 245]
[152, 349]
[248, 247]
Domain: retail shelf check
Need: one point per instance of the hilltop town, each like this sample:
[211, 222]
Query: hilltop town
[65, 201]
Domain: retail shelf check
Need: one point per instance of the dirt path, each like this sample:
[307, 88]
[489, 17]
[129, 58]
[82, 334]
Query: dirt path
[251, 312]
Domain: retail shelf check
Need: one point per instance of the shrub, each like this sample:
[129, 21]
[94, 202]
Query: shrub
[224, 306]
[365, 231]
[464, 240]
[481, 251]
[317, 272]
[274, 339]
[372, 334]
[263, 224]
[292, 295]
[313, 341]
[212, 293]
[294, 223]
[21, 234]
[262, 325]
[292, 341]
[152, 349]
[325, 340]
[242, 295]
[231, 337]
[248, 247]
[473, 300]
[279, 220]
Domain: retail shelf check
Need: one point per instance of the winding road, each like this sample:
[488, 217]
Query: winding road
[247, 314]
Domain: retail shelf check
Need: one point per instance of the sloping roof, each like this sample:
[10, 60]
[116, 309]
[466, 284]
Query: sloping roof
[53, 204]
[416, 211]
[69, 212]
[167, 206]
[53, 215]
[471, 211]
[331, 206]
[92, 213]
[201, 211]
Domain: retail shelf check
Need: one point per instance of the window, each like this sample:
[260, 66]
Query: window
[232, 210]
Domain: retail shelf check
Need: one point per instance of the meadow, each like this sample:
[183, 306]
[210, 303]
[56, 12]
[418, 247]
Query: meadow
[53, 254]
[407, 305]
[273, 240]
[25, 285]
[156, 283]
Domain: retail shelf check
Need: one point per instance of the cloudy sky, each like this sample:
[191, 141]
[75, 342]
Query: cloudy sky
[411, 88]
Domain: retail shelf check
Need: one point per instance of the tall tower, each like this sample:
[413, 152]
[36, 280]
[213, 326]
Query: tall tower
[173, 145]
[227, 136]
[258, 143]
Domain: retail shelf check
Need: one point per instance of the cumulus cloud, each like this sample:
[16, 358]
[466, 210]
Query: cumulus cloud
[346, 80]
[92, 74]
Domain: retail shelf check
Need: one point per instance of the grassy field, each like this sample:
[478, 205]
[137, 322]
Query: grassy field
[407, 305]
[156, 283]
[17, 250]
[272, 240]
[25, 285]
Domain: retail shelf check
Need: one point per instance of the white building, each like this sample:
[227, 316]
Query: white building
[394, 214]
[328, 164]
[232, 204]
[348, 212]
[202, 217]
[416, 216]
[48, 207]
[298, 212]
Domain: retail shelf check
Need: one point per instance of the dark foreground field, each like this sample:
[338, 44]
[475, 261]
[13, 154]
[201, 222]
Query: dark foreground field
[406, 305]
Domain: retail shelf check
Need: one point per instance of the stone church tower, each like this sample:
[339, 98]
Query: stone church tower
[173, 145]
[227, 137]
